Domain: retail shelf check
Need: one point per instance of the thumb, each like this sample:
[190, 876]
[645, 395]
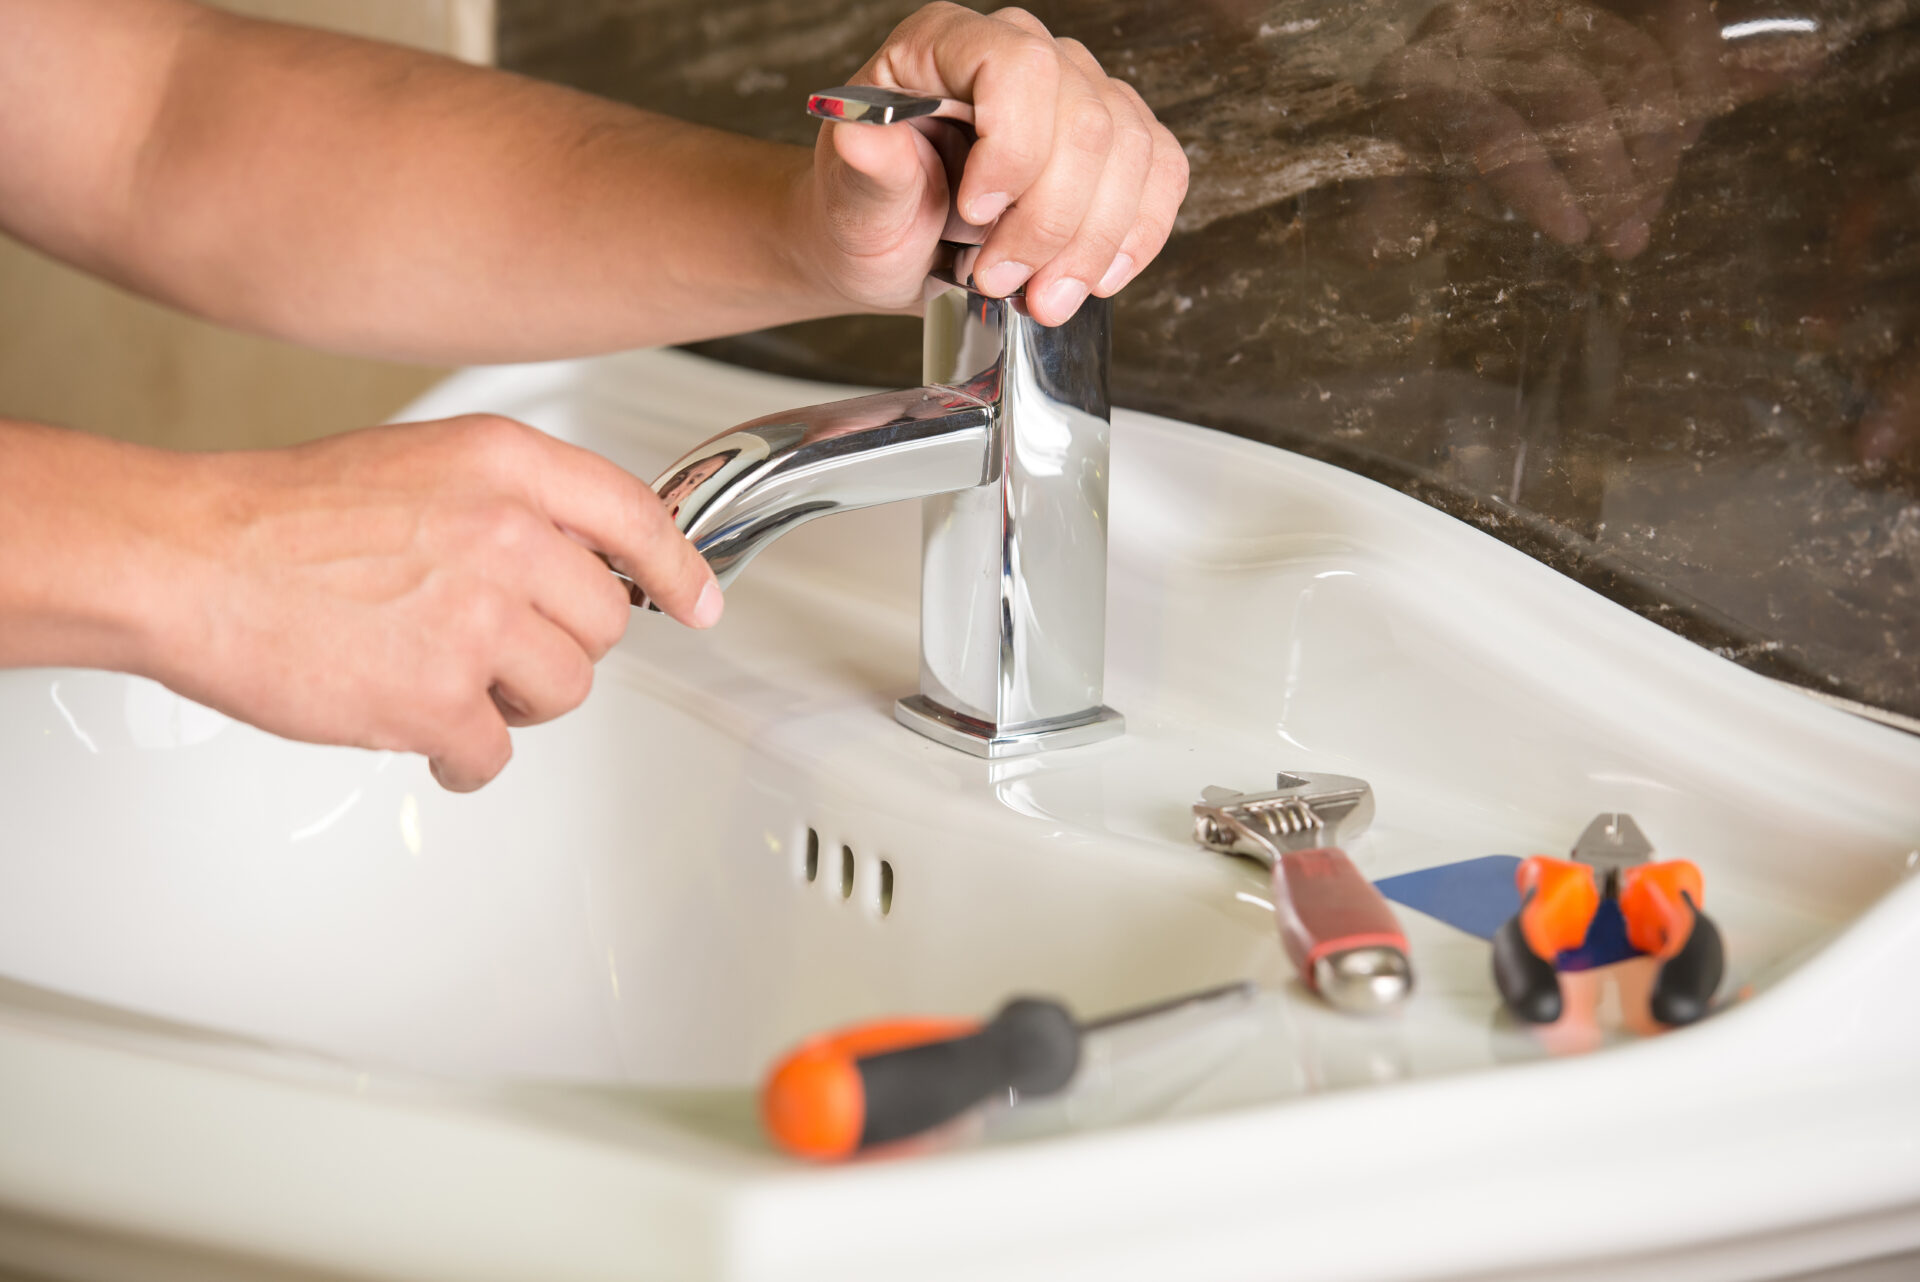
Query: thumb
[880, 182]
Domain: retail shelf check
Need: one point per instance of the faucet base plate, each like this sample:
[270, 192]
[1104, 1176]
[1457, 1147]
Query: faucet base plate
[980, 739]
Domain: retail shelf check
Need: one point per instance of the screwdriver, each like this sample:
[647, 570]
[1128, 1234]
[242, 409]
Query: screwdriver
[870, 1084]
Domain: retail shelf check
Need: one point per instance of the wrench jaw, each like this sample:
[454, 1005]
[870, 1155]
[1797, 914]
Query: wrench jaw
[1301, 812]
[1342, 803]
[1334, 924]
[1234, 823]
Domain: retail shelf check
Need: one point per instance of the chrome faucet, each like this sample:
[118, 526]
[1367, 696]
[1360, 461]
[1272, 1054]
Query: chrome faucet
[1007, 446]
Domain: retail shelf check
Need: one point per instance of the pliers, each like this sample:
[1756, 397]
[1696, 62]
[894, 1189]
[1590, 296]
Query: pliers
[1660, 903]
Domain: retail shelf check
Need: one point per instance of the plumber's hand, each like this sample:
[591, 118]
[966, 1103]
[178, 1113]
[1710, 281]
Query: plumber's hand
[1574, 122]
[1576, 114]
[1084, 181]
[419, 588]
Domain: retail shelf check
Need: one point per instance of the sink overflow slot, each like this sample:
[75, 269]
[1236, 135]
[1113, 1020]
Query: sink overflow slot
[849, 873]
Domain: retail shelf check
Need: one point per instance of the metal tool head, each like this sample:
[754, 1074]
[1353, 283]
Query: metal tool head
[1303, 811]
[1611, 842]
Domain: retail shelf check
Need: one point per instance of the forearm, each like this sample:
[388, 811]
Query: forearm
[81, 582]
[376, 200]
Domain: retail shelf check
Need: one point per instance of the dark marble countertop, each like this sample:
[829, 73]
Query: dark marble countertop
[1705, 405]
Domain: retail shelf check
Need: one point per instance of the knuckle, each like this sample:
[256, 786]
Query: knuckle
[925, 24]
[481, 616]
[1034, 59]
[1021, 18]
[446, 695]
[1089, 126]
[492, 757]
[907, 30]
[509, 528]
[493, 438]
[1023, 151]
[1171, 161]
[1135, 139]
[1051, 228]
[573, 685]
[1095, 247]
[644, 522]
[1132, 95]
[610, 620]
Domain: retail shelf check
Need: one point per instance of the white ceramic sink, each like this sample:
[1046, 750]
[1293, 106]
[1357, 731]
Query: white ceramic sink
[264, 1001]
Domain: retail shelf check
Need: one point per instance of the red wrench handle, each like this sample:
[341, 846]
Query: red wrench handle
[1325, 905]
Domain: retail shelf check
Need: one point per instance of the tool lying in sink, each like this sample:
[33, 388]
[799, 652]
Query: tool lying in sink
[1560, 899]
[871, 1084]
[1342, 937]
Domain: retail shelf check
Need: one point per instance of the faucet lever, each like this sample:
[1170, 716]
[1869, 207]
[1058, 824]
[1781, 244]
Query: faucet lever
[872, 105]
[946, 123]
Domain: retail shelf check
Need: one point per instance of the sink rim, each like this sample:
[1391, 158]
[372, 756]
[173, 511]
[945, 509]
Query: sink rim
[756, 1216]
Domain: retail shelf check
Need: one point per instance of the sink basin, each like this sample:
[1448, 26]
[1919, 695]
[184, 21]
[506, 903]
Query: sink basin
[264, 1001]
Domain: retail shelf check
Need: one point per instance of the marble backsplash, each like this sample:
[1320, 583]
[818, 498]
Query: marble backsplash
[1634, 287]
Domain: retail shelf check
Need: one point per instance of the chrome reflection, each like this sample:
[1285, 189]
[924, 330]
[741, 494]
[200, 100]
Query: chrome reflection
[73, 725]
[1007, 443]
[1769, 27]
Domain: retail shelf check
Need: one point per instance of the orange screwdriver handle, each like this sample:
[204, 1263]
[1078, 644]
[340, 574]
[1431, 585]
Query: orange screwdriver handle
[878, 1083]
[814, 1102]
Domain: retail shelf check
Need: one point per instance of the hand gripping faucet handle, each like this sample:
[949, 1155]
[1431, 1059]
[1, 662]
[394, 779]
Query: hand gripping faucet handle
[947, 123]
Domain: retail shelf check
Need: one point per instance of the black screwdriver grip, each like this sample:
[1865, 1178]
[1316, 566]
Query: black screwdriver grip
[1032, 1046]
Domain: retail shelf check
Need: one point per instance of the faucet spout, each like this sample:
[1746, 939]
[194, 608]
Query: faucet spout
[1006, 443]
[743, 489]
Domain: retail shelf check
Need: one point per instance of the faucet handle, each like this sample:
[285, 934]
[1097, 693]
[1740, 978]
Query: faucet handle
[947, 123]
[872, 105]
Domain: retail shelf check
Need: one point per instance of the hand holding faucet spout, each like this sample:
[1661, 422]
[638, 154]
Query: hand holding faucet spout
[744, 488]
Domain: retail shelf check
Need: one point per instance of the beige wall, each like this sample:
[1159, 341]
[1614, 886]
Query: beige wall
[82, 354]
[463, 28]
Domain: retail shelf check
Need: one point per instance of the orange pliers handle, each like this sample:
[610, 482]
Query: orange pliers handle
[1654, 898]
[1559, 898]
[1661, 904]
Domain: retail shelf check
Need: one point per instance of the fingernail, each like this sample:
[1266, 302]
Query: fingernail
[987, 208]
[1118, 274]
[1063, 297]
[1003, 278]
[706, 611]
